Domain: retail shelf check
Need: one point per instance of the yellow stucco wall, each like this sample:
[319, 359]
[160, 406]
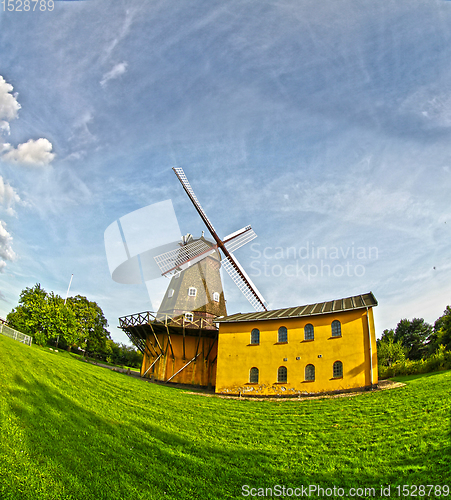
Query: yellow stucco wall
[236, 355]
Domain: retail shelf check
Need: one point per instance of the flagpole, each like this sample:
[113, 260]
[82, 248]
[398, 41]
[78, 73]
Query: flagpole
[68, 288]
[67, 293]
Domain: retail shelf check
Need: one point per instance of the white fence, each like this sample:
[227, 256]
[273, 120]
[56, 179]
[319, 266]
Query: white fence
[14, 334]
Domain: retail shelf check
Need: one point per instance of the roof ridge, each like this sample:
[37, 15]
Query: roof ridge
[338, 305]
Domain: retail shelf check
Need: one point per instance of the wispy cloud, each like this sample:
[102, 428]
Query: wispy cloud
[122, 32]
[8, 197]
[117, 70]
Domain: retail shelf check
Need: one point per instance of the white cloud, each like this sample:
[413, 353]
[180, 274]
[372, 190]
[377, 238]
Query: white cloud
[6, 251]
[117, 70]
[8, 197]
[4, 128]
[4, 146]
[33, 152]
[9, 106]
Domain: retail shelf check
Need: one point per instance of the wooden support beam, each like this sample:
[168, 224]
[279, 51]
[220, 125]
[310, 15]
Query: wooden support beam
[183, 367]
[169, 339]
[159, 356]
[184, 357]
[211, 347]
[198, 342]
[152, 350]
[156, 338]
[144, 332]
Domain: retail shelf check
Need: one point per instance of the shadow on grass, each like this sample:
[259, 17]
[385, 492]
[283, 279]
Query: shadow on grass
[79, 452]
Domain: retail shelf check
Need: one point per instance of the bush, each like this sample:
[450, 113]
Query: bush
[440, 360]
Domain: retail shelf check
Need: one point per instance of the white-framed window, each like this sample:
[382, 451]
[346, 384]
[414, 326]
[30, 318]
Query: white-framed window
[216, 296]
[192, 292]
[309, 333]
[336, 328]
[282, 334]
[170, 293]
[253, 375]
[282, 374]
[189, 316]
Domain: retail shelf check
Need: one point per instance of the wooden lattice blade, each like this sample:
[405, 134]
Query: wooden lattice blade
[243, 282]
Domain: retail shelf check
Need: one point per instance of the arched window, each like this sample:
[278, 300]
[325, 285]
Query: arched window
[309, 333]
[216, 296]
[282, 334]
[253, 375]
[309, 372]
[189, 316]
[255, 336]
[338, 369]
[282, 374]
[192, 291]
[336, 328]
[170, 293]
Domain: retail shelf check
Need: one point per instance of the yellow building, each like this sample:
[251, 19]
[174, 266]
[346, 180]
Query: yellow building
[323, 347]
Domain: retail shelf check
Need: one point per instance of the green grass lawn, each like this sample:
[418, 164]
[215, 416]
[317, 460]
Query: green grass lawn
[70, 429]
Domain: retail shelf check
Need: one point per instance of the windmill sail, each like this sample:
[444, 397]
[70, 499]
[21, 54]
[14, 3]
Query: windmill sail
[230, 244]
[189, 191]
[236, 240]
[244, 283]
[181, 258]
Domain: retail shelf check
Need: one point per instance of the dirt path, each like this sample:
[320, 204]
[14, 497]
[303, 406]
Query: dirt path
[383, 385]
[127, 371]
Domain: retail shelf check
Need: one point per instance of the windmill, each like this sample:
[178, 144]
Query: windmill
[192, 252]
[180, 342]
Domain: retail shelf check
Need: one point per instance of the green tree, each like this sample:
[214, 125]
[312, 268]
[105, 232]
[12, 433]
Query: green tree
[442, 332]
[28, 316]
[60, 321]
[414, 335]
[92, 324]
[44, 316]
[388, 351]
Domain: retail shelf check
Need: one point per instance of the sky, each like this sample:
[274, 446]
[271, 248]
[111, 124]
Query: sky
[324, 125]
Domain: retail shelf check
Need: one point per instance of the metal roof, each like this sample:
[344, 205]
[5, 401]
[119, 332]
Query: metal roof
[333, 306]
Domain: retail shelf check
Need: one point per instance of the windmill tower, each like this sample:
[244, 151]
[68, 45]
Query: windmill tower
[196, 291]
[179, 342]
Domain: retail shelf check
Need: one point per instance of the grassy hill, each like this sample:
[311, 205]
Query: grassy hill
[74, 430]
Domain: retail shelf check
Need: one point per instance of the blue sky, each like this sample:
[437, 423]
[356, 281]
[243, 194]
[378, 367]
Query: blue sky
[321, 124]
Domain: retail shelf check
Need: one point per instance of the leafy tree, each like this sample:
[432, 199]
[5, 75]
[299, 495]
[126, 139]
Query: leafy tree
[414, 336]
[92, 324]
[442, 332]
[388, 351]
[28, 316]
[44, 316]
[60, 321]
